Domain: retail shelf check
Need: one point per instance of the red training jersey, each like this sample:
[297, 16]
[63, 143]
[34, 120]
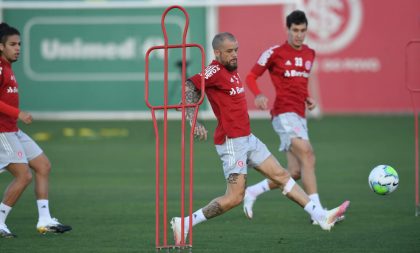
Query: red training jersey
[289, 70]
[9, 98]
[226, 95]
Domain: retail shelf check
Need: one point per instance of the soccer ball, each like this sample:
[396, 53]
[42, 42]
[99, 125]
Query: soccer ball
[383, 179]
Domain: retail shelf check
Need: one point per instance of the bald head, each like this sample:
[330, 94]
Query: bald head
[220, 37]
[225, 47]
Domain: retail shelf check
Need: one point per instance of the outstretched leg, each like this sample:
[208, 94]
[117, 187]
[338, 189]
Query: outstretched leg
[276, 173]
[252, 192]
[233, 197]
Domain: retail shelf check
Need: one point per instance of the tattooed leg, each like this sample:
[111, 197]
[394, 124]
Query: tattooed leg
[212, 210]
[233, 197]
[233, 178]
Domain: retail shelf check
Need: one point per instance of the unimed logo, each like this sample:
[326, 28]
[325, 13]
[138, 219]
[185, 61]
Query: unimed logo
[96, 48]
[79, 49]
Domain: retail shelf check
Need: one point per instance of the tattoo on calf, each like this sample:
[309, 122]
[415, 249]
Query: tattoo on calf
[212, 210]
[233, 178]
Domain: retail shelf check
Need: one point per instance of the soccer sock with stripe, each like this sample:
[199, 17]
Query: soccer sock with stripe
[4, 211]
[43, 209]
[258, 188]
[197, 217]
[315, 198]
[314, 210]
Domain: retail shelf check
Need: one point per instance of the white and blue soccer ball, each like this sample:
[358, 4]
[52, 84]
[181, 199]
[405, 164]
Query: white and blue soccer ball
[383, 179]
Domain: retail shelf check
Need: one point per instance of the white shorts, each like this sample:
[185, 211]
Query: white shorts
[17, 147]
[289, 125]
[237, 154]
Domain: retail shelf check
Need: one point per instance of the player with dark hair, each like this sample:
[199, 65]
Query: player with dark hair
[18, 152]
[289, 66]
[237, 147]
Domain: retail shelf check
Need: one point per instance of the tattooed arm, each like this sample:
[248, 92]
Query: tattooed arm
[192, 95]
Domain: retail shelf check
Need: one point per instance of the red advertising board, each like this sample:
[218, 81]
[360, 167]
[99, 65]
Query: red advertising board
[360, 49]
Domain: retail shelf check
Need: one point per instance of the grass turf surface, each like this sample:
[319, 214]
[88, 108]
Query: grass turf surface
[102, 184]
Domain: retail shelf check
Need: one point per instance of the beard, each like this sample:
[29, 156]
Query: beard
[231, 67]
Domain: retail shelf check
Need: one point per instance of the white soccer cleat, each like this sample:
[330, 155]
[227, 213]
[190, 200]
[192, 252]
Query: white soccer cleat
[248, 204]
[5, 232]
[333, 215]
[339, 219]
[51, 225]
[176, 228]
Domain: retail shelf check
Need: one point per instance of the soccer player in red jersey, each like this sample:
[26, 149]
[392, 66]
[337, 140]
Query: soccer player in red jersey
[18, 152]
[237, 147]
[289, 66]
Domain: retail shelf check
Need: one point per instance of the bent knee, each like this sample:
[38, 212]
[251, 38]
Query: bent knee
[25, 178]
[308, 156]
[43, 168]
[235, 200]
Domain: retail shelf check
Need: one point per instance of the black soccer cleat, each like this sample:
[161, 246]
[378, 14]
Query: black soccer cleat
[52, 226]
[5, 233]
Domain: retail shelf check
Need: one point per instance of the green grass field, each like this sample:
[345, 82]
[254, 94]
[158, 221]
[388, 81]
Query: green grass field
[102, 184]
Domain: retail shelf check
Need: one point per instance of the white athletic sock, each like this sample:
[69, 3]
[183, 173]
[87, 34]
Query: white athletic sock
[4, 211]
[43, 209]
[197, 217]
[315, 198]
[315, 210]
[258, 188]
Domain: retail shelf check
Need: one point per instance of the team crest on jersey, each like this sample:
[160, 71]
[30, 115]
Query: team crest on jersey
[308, 65]
[11, 89]
[240, 163]
[288, 63]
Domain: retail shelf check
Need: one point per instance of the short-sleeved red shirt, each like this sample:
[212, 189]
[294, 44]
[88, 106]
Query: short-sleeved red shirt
[289, 70]
[9, 97]
[226, 95]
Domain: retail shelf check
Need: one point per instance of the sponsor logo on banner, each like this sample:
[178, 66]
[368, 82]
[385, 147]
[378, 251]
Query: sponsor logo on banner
[79, 49]
[87, 52]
